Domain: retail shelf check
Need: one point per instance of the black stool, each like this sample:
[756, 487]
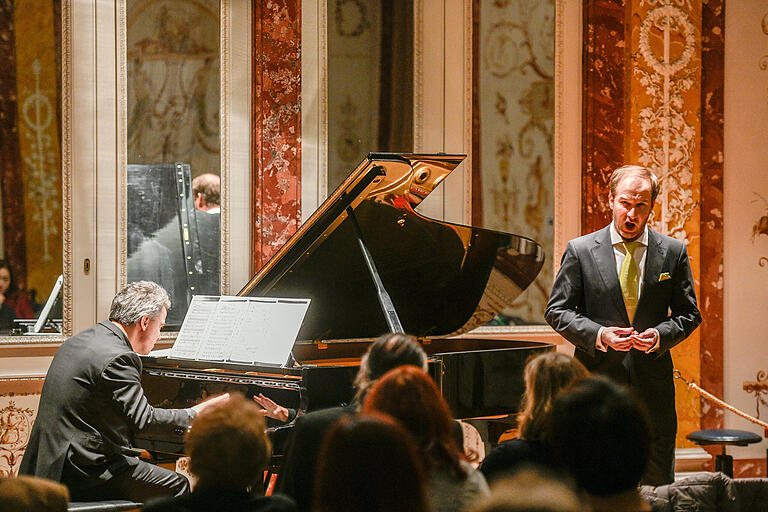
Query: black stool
[724, 437]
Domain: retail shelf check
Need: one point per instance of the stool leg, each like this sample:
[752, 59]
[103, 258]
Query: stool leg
[724, 464]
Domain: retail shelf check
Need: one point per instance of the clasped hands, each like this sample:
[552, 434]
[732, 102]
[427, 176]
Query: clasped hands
[625, 338]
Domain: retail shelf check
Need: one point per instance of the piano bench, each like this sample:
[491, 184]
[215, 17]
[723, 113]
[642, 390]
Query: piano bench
[104, 506]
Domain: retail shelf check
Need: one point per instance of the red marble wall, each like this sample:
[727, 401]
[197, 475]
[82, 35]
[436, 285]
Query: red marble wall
[604, 62]
[10, 155]
[276, 126]
[607, 137]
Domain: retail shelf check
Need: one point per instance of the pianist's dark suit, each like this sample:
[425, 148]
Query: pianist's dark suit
[91, 406]
[586, 295]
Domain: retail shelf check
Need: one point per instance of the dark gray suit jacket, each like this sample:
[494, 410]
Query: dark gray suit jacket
[586, 295]
[91, 406]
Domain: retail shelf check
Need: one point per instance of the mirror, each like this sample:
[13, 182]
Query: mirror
[513, 134]
[174, 147]
[30, 162]
[370, 81]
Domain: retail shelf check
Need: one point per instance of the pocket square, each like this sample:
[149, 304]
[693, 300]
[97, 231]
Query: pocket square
[664, 276]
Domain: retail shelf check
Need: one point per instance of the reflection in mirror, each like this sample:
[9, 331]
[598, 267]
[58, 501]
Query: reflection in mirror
[30, 160]
[370, 81]
[513, 134]
[174, 157]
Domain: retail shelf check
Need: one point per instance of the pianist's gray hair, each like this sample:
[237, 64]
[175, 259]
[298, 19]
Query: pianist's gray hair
[387, 352]
[142, 298]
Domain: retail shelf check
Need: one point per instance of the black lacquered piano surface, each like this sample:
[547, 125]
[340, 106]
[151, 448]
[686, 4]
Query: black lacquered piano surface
[443, 279]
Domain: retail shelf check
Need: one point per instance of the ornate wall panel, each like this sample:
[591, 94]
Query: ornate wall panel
[514, 160]
[604, 62]
[663, 135]
[276, 126]
[711, 282]
[18, 409]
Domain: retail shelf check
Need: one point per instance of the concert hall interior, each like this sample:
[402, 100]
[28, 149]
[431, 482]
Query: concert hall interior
[199, 144]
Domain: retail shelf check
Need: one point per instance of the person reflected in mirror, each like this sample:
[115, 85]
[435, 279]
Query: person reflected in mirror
[228, 452]
[92, 406]
[206, 191]
[545, 376]
[624, 297]
[14, 303]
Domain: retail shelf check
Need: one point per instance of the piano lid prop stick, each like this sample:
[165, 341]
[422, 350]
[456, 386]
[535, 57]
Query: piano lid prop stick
[393, 321]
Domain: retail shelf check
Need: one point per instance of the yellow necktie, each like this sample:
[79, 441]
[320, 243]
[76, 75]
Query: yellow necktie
[628, 279]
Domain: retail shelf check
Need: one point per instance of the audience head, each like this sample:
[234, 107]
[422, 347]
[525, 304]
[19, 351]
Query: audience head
[531, 490]
[228, 445]
[369, 462]
[410, 396]
[545, 375]
[206, 191]
[601, 435]
[7, 284]
[385, 353]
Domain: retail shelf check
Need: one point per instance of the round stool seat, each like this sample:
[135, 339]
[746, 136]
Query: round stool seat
[724, 436]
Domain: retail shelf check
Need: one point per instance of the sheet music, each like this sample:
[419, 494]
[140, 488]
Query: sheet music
[192, 331]
[267, 333]
[240, 329]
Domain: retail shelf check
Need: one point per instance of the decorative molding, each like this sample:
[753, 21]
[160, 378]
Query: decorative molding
[66, 163]
[122, 145]
[418, 73]
[468, 82]
[225, 70]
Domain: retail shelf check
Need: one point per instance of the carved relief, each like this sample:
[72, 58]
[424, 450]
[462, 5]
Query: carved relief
[17, 414]
[516, 147]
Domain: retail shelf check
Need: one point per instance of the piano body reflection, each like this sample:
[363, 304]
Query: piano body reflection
[370, 263]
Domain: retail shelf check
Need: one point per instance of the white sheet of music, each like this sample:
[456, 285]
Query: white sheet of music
[267, 333]
[192, 331]
[240, 329]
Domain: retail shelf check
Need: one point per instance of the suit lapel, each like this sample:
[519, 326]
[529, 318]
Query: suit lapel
[602, 252]
[654, 260]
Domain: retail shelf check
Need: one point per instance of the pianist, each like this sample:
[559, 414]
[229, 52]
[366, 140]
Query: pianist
[92, 404]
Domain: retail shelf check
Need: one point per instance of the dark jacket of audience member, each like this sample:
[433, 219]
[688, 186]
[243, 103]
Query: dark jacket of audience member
[369, 463]
[601, 436]
[228, 450]
[545, 375]
[297, 473]
[411, 397]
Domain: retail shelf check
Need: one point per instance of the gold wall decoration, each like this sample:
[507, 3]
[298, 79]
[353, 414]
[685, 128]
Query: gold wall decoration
[663, 133]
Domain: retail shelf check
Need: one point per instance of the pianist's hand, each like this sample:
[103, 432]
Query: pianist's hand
[271, 409]
[211, 401]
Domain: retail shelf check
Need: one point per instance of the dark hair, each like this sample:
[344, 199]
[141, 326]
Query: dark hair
[12, 287]
[385, 353]
[545, 375]
[228, 445]
[410, 396]
[634, 170]
[601, 435]
[369, 462]
[208, 185]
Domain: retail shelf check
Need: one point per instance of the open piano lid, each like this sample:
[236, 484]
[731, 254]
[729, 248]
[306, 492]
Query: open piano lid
[444, 279]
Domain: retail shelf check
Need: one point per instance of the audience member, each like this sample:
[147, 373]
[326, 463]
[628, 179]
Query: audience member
[297, 473]
[545, 375]
[601, 436]
[369, 463]
[32, 494]
[14, 303]
[411, 397]
[531, 490]
[229, 451]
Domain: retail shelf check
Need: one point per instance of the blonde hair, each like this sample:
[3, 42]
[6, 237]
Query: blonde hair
[545, 375]
[634, 170]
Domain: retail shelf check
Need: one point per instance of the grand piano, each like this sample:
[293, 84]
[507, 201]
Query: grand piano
[370, 263]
